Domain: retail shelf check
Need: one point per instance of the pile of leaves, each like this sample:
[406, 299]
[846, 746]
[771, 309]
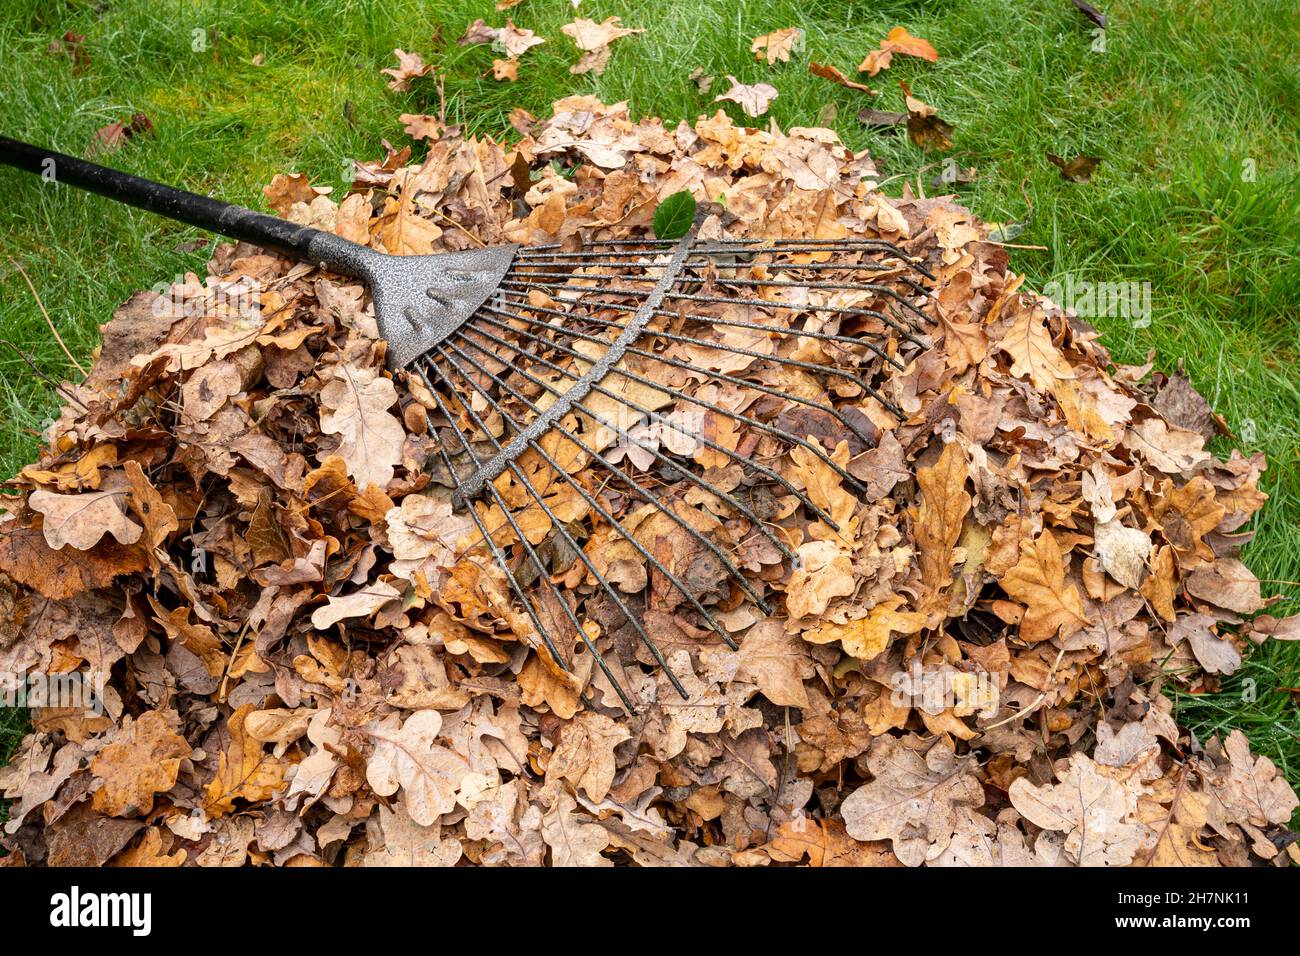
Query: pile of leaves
[311, 659]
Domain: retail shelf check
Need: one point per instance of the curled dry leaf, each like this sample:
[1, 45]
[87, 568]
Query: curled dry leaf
[828, 72]
[925, 127]
[753, 99]
[410, 66]
[594, 40]
[901, 42]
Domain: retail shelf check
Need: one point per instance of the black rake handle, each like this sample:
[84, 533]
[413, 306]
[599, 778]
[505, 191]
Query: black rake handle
[227, 219]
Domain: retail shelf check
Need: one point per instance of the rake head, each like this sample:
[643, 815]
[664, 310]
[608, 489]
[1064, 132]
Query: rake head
[581, 389]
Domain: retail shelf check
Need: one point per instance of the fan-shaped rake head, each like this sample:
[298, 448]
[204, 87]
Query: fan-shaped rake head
[594, 387]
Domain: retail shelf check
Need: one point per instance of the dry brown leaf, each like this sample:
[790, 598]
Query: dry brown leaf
[913, 799]
[354, 406]
[406, 756]
[244, 771]
[1094, 806]
[754, 99]
[81, 520]
[828, 72]
[901, 42]
[776, 47]
[144, 761]
[939, 517]
[867, 637]
[1038, 581]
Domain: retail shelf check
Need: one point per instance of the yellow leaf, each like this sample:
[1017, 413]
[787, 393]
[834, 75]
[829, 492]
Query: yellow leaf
[245, 772]
[943, 508]
[867, 637]
[1038, 582]
[145, 761]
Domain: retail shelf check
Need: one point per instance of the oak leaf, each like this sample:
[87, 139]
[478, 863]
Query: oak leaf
[939, 518]
[913, 800]
[145, 760]
[81, 520]
[406, 756]
[901, 42]
[867, 637]
[1038, 582]
[585, 754]
[354, 406]
[753, 99]
[776, 47]
[244, 771]
[1094, 806]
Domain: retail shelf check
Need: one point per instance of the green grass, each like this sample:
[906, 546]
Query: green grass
[1184, 96]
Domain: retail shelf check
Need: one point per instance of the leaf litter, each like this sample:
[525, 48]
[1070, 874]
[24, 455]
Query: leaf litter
[311, 657]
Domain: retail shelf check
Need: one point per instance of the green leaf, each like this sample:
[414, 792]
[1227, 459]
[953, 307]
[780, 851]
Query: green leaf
[674, 216]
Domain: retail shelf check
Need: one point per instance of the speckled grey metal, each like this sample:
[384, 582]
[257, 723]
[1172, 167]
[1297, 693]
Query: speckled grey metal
[419, 300]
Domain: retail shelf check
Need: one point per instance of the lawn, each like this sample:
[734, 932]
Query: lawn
[1193, 107]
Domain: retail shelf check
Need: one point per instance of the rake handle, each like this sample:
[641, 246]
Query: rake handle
[227, 219]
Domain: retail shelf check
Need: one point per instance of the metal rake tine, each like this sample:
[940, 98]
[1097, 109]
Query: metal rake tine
[847, 340]
[650, 498]
[737, 416]
[582, 555]
[532, 554]
[903, 330]
[760, 245]
[707, 442]
[498, 556]
[839, 287]
[756, 326]
[686, 473]
[645, 493]
[721, 376]
[687, 339]
[876, 287]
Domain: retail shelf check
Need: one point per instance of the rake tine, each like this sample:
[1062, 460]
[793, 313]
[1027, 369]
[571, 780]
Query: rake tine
[560, 528]
[688, 339]
[903, 330]
[876, 287]
[721, 376]
[710, 320]
[904, 327]
[834, 287]
[536, 561]
[648, 495]
[756, 326]
[737, 416]
[752, 246]
[727, 497]
[707, 442]
[514, 584]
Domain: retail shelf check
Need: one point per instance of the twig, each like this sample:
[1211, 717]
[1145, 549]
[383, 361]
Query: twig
[58, 338]
[45, 378]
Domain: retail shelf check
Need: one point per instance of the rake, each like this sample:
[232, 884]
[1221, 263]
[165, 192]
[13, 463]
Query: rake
[553, 359]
